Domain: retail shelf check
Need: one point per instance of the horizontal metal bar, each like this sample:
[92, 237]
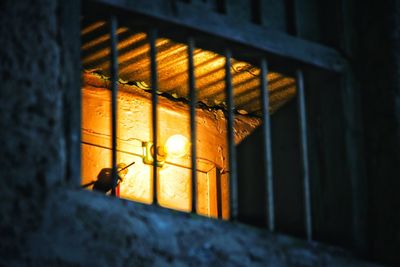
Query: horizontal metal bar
[182, 17]
[114, 96]
[231, 138]
[304, 152]
[193, 138]
[152, 37]
[267, 146]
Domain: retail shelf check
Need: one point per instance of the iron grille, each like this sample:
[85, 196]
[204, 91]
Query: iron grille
[262, 52]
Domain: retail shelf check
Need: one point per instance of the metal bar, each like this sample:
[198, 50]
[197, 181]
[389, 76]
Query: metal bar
[304, 153]
[280, 46]
[231, 141]
[152, 36]
[114, 96]
[353, 137]
[267, 146]
[219, 193]
[193, 135]
[356, 168]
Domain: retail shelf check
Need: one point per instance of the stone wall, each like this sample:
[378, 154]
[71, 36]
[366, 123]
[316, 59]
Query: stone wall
[36, 73]
[88, 229]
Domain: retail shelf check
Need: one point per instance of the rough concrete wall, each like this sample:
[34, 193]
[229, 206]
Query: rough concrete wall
[33, 151]
[268, 13]
[88, 229]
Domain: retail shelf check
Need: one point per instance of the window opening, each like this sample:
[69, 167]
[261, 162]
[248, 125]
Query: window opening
[226, 109]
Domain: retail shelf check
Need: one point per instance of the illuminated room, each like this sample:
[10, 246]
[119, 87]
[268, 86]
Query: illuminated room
[135, 149]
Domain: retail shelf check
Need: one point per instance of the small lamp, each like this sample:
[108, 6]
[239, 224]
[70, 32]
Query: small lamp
[177, 146]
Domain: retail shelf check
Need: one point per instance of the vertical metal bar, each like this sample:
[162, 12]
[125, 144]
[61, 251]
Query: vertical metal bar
[353, 137]
[267, 148]
[304, 152]
[152, 35]
[356, 168]
[219, 194]
[114, 96]
[193, 136]
[231, 141]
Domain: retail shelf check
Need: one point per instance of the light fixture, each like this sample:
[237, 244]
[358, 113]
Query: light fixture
[177, 146]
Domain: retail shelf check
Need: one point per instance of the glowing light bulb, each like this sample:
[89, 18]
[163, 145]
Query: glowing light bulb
[177, 146]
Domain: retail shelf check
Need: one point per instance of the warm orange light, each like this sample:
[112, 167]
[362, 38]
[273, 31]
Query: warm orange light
[177, 146]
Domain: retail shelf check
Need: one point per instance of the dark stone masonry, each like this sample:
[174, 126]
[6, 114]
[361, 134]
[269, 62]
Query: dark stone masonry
[80, 228]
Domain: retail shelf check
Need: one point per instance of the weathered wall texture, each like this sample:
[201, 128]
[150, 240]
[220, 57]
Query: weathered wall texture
[88, 229]
[45, 222]
[134, 124]
[33, 158]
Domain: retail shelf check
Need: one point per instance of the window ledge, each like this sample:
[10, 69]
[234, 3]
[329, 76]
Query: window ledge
[86, 228]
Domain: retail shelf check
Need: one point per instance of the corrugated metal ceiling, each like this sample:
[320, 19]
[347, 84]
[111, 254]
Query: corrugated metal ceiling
[134, 66]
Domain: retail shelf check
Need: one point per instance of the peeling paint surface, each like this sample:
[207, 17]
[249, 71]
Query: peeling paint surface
[134, 124]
